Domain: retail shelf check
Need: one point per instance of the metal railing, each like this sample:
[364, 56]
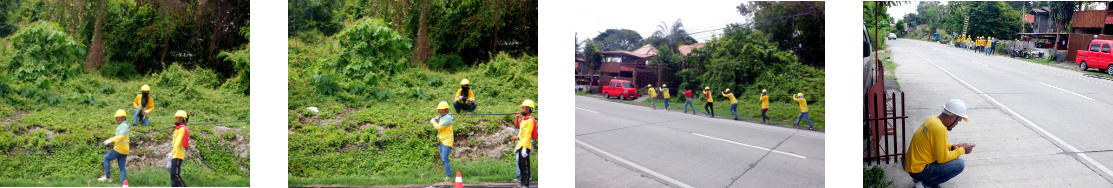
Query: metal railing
[884, 130]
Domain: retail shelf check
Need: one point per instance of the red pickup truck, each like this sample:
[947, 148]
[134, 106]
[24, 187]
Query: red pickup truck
[1098, 56]
[621, 88]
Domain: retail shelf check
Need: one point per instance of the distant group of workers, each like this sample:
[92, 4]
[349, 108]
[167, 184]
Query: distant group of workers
[465, 101]
[985, 45]
[709, 108]
[119, 144]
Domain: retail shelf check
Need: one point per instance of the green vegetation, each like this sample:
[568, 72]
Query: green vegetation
[370, 80]
[875, 178]
[48, 101]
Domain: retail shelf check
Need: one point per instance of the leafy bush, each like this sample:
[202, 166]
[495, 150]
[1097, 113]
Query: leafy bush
[445, 62]
[369, 51]
[875, 178]
[119, 70]
[44, 51]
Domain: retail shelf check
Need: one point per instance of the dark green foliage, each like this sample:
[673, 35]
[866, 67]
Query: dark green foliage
[803, 34]
[445, 62]
[744, 61]
[305, 15]
[618, 39]
[476, 29]
[118, 70]
[875, 178]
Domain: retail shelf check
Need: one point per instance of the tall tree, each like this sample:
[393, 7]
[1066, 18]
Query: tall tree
[797, 26]
[618, 39]
[671, 36]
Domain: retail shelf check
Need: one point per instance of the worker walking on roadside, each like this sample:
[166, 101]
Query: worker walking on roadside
[764, 105]
[178, 147]
[733, 102]
[665, 93]
[708, 107]
[652, 95]
[465, 98]
[931, 159]
[688, 101]
[803, 110]
[443, 124]
[525, 146]
[120, 149]
[143, 104]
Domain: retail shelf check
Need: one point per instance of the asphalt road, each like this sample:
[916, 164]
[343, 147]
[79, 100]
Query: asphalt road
[1034, 125]
[622, 145]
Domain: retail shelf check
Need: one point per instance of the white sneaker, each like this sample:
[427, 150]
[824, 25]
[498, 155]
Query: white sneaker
[102, 179]
[919, 184]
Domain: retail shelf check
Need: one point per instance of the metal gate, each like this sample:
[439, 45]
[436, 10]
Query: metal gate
[884, 131]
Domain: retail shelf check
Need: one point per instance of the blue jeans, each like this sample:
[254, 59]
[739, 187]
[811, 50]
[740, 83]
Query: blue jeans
[734, 110]
[653, 100]
[688, 103]
[445, 150]
[139, 115]
[804, 115]
[462, 106]
[121, 159]
[936, 173]
[666, 104]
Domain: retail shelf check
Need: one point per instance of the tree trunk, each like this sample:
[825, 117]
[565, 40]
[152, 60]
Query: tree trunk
[95, 57]
[421, 51]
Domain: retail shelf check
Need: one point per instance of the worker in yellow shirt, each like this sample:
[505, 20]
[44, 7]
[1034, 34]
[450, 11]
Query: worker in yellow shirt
[120, 149]
[178, 148]
[652, 95]
[465, 98]
[803, 110]
[707, 107]
[143, 105]
[733, 102]
[665, 93]
[443, 124]
[931, 159]
[525, 145]
[764, 105]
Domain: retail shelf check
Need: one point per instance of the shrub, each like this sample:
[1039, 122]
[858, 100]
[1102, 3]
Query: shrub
[119, 70]
[445, 62]
[44, 51]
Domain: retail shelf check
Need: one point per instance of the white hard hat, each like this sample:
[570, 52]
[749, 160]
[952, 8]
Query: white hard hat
[958, 108]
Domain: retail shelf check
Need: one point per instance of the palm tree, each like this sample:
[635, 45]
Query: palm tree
[672, 36]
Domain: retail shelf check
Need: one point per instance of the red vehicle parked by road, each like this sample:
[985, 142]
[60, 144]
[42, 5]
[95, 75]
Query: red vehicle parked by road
[620, 88]
[1098, 56]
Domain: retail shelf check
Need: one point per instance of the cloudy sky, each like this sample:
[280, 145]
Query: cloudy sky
[595, 16]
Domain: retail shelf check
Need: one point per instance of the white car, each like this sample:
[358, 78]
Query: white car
[892, 36]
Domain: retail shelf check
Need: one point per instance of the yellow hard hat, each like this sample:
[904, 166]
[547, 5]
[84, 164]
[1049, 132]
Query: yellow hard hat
[728, 90]
[442, 105]
[799, 94]
[664, 85]
[706, 87]
[121, 113]
[648, 85]
[763, 90]
[529, 103]
[181, 114]
[145, 88]
[465, 82]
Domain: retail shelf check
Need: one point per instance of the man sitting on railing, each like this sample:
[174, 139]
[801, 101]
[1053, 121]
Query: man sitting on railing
[931, 159]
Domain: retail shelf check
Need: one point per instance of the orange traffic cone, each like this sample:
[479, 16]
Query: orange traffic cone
[459, 181]
[125, 183]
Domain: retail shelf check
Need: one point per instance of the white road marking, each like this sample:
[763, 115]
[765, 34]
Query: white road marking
[752, 146]
[631, 164]
[587, 110]
[1069, 147]
[979, 63]
[1064, 90]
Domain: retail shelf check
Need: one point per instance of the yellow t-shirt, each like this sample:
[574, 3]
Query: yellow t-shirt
[471, 95]
[138, 103]
[708, 95]
[652, 92]
[176, 148]
[764, 101]
[525, 132]
[803, 104]
[444, 129]
[731, 97]
[665, 91]
[929, 144]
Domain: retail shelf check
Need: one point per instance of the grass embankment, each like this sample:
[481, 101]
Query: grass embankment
[397, 103]
[749, 108]
[83, 115]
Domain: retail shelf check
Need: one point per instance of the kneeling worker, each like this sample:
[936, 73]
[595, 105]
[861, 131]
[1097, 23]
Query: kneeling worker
[931, 159]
